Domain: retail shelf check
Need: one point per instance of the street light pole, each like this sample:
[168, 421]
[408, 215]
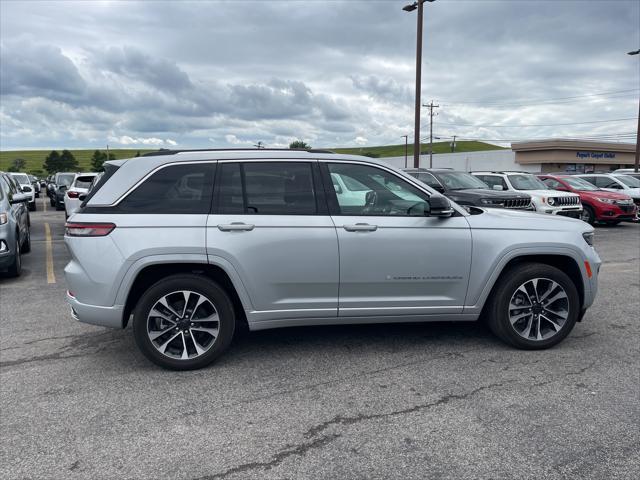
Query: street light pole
[419, 5]
[637, 160]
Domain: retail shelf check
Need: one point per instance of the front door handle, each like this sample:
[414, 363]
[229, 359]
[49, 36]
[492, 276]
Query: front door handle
[361, 227]
[235, 227]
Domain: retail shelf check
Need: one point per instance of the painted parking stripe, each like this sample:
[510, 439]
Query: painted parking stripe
[51, 276]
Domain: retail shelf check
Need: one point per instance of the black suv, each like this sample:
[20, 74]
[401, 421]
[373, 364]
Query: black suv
[465, 189]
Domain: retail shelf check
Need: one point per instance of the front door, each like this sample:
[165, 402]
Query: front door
[394, 258]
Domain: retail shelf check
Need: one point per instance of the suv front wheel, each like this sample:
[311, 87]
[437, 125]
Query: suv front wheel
[184, 322]
[533, 306]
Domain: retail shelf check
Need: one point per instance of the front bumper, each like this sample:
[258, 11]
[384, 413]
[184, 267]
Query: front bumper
[96, 315]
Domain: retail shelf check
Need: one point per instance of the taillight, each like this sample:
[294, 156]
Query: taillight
[73, 194]
[73, 229]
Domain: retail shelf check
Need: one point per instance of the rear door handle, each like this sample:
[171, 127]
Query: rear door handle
[235, 227]
[361, 227]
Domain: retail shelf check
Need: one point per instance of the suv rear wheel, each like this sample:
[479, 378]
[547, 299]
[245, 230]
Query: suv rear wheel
[534, 306]
[184, 322]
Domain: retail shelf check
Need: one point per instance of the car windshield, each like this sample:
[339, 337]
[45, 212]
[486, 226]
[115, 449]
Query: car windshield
[66, 179]
[527, 182]
[579, 184]
[629, 181]
[461, 181]
[22, 179]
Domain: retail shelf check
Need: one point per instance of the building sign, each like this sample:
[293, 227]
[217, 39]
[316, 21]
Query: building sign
[583, 155]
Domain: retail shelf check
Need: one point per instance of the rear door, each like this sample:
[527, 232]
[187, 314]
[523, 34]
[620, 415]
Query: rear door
[394, 259]
[270, 223]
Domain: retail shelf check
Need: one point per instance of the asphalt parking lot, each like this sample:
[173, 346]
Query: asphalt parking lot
[385, 401]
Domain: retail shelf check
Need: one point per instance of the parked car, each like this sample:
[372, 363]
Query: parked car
[598, 205]
[631, 172]
[26, 187]
[15, 236]
[36, 185]
[60, 184]
[79, 186]
[465, 189]
[192, 244]
[543, 199]
[615, 183]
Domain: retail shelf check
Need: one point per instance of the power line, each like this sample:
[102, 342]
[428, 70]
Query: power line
[543, 100]
[537, 125]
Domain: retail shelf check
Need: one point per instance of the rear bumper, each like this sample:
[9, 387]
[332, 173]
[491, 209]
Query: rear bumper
[103, 316]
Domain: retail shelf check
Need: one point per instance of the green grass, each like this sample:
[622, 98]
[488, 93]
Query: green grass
[398, 150]
[35, 158]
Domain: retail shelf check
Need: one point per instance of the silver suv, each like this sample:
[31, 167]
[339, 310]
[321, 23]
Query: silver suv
[192, 244]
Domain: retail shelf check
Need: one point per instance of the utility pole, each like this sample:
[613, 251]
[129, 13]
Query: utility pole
[406, 147]
[453, 144]
[431, 106]
[637, 162]
[419, 5]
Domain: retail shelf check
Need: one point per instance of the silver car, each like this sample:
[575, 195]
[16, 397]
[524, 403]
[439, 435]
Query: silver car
[15, 236]
[190, 244]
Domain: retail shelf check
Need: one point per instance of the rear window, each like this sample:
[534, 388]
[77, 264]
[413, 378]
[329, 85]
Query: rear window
[183, 189]
[65, 179]
[84, 181]
[109, 170]
[21, 179]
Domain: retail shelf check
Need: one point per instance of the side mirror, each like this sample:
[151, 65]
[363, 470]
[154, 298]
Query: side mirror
[26, 189]
[440, 207]
[82, 197]
[497, 187]
[439, 188]
[19, 198]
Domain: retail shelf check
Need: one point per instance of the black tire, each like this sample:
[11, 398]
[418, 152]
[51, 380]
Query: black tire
[32, 207]
[588, 215]
[15, 268]
[497, 311]
[52, 202]
[201, 285]
[26, 245]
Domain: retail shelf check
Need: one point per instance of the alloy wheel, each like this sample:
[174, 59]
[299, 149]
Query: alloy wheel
[538, 309]
[183, 325]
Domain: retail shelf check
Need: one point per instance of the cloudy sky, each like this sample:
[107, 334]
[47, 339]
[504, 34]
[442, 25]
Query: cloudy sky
[333, 73]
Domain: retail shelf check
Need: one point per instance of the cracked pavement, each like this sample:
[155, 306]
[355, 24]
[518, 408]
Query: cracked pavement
[409, 401]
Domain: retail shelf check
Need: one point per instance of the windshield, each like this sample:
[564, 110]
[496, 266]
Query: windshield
[83, 182]
[579, 184]
[461, 181]
[21, 179]
[527, 182]
[629, 181]
[65, 179]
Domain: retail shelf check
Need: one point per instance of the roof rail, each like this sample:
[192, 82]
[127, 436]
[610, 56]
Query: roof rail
[165, 151]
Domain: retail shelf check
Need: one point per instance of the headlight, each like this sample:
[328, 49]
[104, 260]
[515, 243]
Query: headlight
[610, 201]
[487, 201]
[3, 218]
[588, 237]
[551, 201]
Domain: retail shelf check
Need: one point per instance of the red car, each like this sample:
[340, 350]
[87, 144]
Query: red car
[598, 205]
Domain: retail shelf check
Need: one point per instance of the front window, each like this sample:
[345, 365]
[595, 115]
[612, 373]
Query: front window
[527, 182]
[385, 194]
[461, 181]
[629, 181]
[579, 184]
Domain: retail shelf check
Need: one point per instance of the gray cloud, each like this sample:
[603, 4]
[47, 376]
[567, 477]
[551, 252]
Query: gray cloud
[205, 72]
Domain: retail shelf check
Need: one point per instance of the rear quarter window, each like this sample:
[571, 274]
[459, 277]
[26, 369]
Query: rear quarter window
[176, 189]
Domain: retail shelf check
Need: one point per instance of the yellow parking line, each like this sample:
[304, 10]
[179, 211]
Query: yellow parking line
[44, 205]
[51, 277]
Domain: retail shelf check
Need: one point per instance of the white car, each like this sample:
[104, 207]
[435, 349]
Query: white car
[25, 185]
[79, 186]
[627, 171]
[615, 182]
[543, 198]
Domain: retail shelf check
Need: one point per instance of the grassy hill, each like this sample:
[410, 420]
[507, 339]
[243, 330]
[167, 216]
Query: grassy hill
[35, 158]
[398, 150]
